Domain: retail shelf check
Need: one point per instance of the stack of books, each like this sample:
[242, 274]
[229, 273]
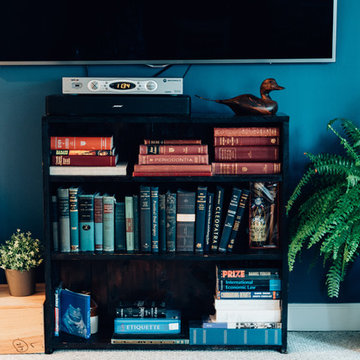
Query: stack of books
[84, 155]
[247, 309]
[246, 150]
[173, 158]
[146, 323]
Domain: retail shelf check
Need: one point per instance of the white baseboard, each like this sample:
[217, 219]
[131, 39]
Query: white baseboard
[324, 317]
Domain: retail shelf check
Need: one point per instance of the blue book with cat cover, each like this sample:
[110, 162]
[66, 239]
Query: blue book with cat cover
[75, 313]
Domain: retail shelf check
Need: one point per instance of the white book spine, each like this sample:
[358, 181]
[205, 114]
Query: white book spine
[249, 316]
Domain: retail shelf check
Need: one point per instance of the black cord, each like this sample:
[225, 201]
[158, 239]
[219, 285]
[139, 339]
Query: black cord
[186, 71]
[86, 71]
[162, 70]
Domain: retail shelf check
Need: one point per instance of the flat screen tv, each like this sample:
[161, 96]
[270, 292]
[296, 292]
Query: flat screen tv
[174, 32]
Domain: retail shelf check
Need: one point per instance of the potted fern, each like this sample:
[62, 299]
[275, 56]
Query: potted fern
[325, 207]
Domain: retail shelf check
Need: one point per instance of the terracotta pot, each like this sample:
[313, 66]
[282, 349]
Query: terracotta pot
[21, 283]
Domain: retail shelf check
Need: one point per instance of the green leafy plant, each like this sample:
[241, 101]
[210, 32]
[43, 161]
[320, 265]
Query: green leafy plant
[325, 207]
[21, 252]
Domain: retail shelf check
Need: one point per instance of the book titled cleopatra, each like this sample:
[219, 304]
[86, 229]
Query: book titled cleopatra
[81, 142]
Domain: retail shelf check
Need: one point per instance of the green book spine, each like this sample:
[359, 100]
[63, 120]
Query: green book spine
[63, 219]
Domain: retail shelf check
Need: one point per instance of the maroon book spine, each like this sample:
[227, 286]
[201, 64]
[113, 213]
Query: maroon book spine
[173, 159]
[243, 168]
[171, 168]
[81, 142]
[173, 149]
[247, 153]
[172, 142]
[246, 140]
[247, 131]
[177, 173]
[83, 160]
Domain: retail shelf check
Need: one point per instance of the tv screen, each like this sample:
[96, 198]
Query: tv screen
[147, 32]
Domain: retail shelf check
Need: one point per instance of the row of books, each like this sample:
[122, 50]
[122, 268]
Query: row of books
[173, 158]
[246, 150]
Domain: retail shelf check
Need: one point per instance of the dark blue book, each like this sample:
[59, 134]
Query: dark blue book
[217, 217]
[74, 218]
[86, 222]
[221, 336]
[145, 219]
[185, 221]
[246, 295]
[120, 227]
[201, 198]
[54, 222]
[75, 313]
[154, 196]
[208, 221]
[239, 216]
[136, 223]
[162, 223]
[63, 218]
[229, 219]
[247, 284]
[170, 221]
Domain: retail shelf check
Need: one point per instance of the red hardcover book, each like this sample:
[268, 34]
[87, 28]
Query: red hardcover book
[172, 173]
[83, 152]
[83, 160]
[171, 142]
[81, 142]
[243, 168]
[173, 149]
[247, 153]
[173, 159]
[246, 140]
[172, 168]
[247, 131]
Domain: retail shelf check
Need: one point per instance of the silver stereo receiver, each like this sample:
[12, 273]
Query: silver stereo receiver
[111, 86]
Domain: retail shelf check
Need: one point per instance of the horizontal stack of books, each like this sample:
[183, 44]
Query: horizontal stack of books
[246, 150]
[146, 322]
[173, 158]
[84, 155]
[247, 309]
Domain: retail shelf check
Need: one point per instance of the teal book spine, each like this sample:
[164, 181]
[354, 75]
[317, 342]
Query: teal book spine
[63, 219]
[86, 222]
[154, 196]
[120, 231]
[129, 223]
[145, 218]
[109, 223]
[185, 221]
[170, 222]
[136, 223]
[74, 219]
[208, 221]
[54, 222]
[239, 216]
[99, 224]
[162, 223]
[229, 219]
[201, 198]
[218, 209]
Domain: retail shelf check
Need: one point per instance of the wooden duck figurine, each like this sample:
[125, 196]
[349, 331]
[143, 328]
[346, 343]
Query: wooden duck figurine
[248, 104]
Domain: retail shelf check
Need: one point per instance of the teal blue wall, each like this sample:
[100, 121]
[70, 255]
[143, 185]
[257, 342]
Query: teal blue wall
[315, 93]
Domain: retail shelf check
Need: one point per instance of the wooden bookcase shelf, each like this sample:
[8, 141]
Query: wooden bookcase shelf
[186, 279]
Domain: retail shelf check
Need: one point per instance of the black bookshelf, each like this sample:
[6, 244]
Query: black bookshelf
[103, 273]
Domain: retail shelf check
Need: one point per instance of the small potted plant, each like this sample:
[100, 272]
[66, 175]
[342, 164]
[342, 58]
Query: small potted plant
[19, 257]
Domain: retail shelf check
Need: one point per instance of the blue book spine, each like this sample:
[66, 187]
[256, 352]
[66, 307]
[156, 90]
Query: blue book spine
[54, 222]
[208, 221]
[218, 209]
[229, 219]
[185, 221]
[254, 295]
[170, 222]
[154, 195]
[239, 215]
[86, 222]
[218, 336]
[109, 222]
[136, 223]
[99, 222]
[162, 223]
[57, 310]
[74, 219]
[145, 218]
[63, 219]
[129, 223]
[120, 227]
[250, 285]
[201, 199]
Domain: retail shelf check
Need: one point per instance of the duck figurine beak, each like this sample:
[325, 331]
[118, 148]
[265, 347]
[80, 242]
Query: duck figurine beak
[278, 87]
